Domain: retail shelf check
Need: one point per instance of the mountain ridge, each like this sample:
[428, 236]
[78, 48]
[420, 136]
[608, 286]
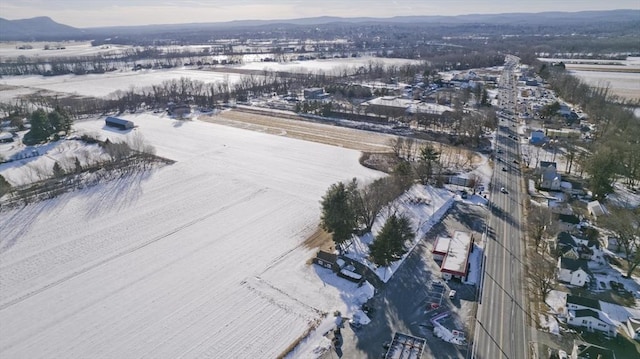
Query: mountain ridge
[45, 28]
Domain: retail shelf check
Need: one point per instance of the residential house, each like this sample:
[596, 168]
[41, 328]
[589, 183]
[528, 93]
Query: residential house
[571, 252]
[590, 249]
[573, 271]
[593, 321]
[564, 242]
[575, 302]
[633, 328]
[596, 209]
[325, 259]
[549, 177]
[583, 350]
[315, 93]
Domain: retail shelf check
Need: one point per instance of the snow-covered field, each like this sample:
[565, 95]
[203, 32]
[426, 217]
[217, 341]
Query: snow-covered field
[327, 65]
[11, 50]
[202, 258]
[100, 85]
[623, 84]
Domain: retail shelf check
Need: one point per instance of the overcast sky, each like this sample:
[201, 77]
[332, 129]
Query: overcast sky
[93, 13]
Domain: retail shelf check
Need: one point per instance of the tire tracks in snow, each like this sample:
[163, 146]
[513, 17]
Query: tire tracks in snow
[117, 255]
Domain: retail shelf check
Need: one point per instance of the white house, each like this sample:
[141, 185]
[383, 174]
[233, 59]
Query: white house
[633, 328]
[573, 271]
[575, 302]
[592, 320]
[549, 177]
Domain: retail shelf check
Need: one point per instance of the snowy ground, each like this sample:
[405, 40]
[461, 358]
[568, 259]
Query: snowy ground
[550, 323]
[100, 85]
[202, 258]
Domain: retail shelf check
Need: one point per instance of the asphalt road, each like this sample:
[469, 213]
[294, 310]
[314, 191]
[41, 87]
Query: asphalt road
[501, 328]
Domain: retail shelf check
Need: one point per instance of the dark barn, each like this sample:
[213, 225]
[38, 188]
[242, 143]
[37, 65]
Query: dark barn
[118, 123]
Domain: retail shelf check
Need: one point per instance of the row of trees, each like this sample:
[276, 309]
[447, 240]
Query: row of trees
[612, 155]
[349, 208]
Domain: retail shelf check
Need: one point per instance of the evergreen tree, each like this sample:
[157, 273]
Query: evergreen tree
[388, 245]
[40, 128]
[77, 166]
[58, 171]
[338, 216]
[5, 187]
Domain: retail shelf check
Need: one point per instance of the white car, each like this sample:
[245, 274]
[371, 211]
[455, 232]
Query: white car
[452, 294]
[503, 190]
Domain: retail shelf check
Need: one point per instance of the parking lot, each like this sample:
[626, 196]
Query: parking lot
[415, 295]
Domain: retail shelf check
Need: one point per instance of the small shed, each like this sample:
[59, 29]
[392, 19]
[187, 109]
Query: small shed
[118, 123]
[325, 259]
[596, 209]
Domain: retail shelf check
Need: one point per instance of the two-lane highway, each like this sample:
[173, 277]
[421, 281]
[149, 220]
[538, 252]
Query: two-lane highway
[501, 328]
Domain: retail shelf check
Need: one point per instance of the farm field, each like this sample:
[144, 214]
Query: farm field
[200, 258]
[621, 76]
[101, 85]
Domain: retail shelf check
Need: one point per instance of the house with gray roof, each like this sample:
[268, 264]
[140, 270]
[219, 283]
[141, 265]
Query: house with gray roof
[593, 321]
[573, 271]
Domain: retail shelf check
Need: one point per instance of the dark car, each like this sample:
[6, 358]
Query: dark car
[504, 169]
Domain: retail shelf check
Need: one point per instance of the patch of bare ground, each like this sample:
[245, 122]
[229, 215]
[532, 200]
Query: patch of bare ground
[288, 126]
[383, 162]
[321, 240]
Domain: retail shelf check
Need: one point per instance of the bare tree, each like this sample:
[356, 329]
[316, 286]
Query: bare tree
[625, 223]
[539, 224]
[397, 144]
[542, 273]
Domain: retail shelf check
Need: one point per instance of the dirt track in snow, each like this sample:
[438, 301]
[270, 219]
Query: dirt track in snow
[304, 130]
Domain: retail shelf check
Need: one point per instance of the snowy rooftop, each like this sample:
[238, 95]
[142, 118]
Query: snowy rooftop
[456, 260]
[442, 245]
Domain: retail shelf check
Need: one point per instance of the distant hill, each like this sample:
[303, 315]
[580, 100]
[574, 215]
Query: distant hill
[43, 28]
[35, 29]
[498, 19]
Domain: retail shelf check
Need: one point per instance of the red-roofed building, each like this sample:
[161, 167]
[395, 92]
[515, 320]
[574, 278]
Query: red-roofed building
[455, 263]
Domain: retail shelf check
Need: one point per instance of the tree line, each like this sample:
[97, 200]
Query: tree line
[352, 208]
[612, 155]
